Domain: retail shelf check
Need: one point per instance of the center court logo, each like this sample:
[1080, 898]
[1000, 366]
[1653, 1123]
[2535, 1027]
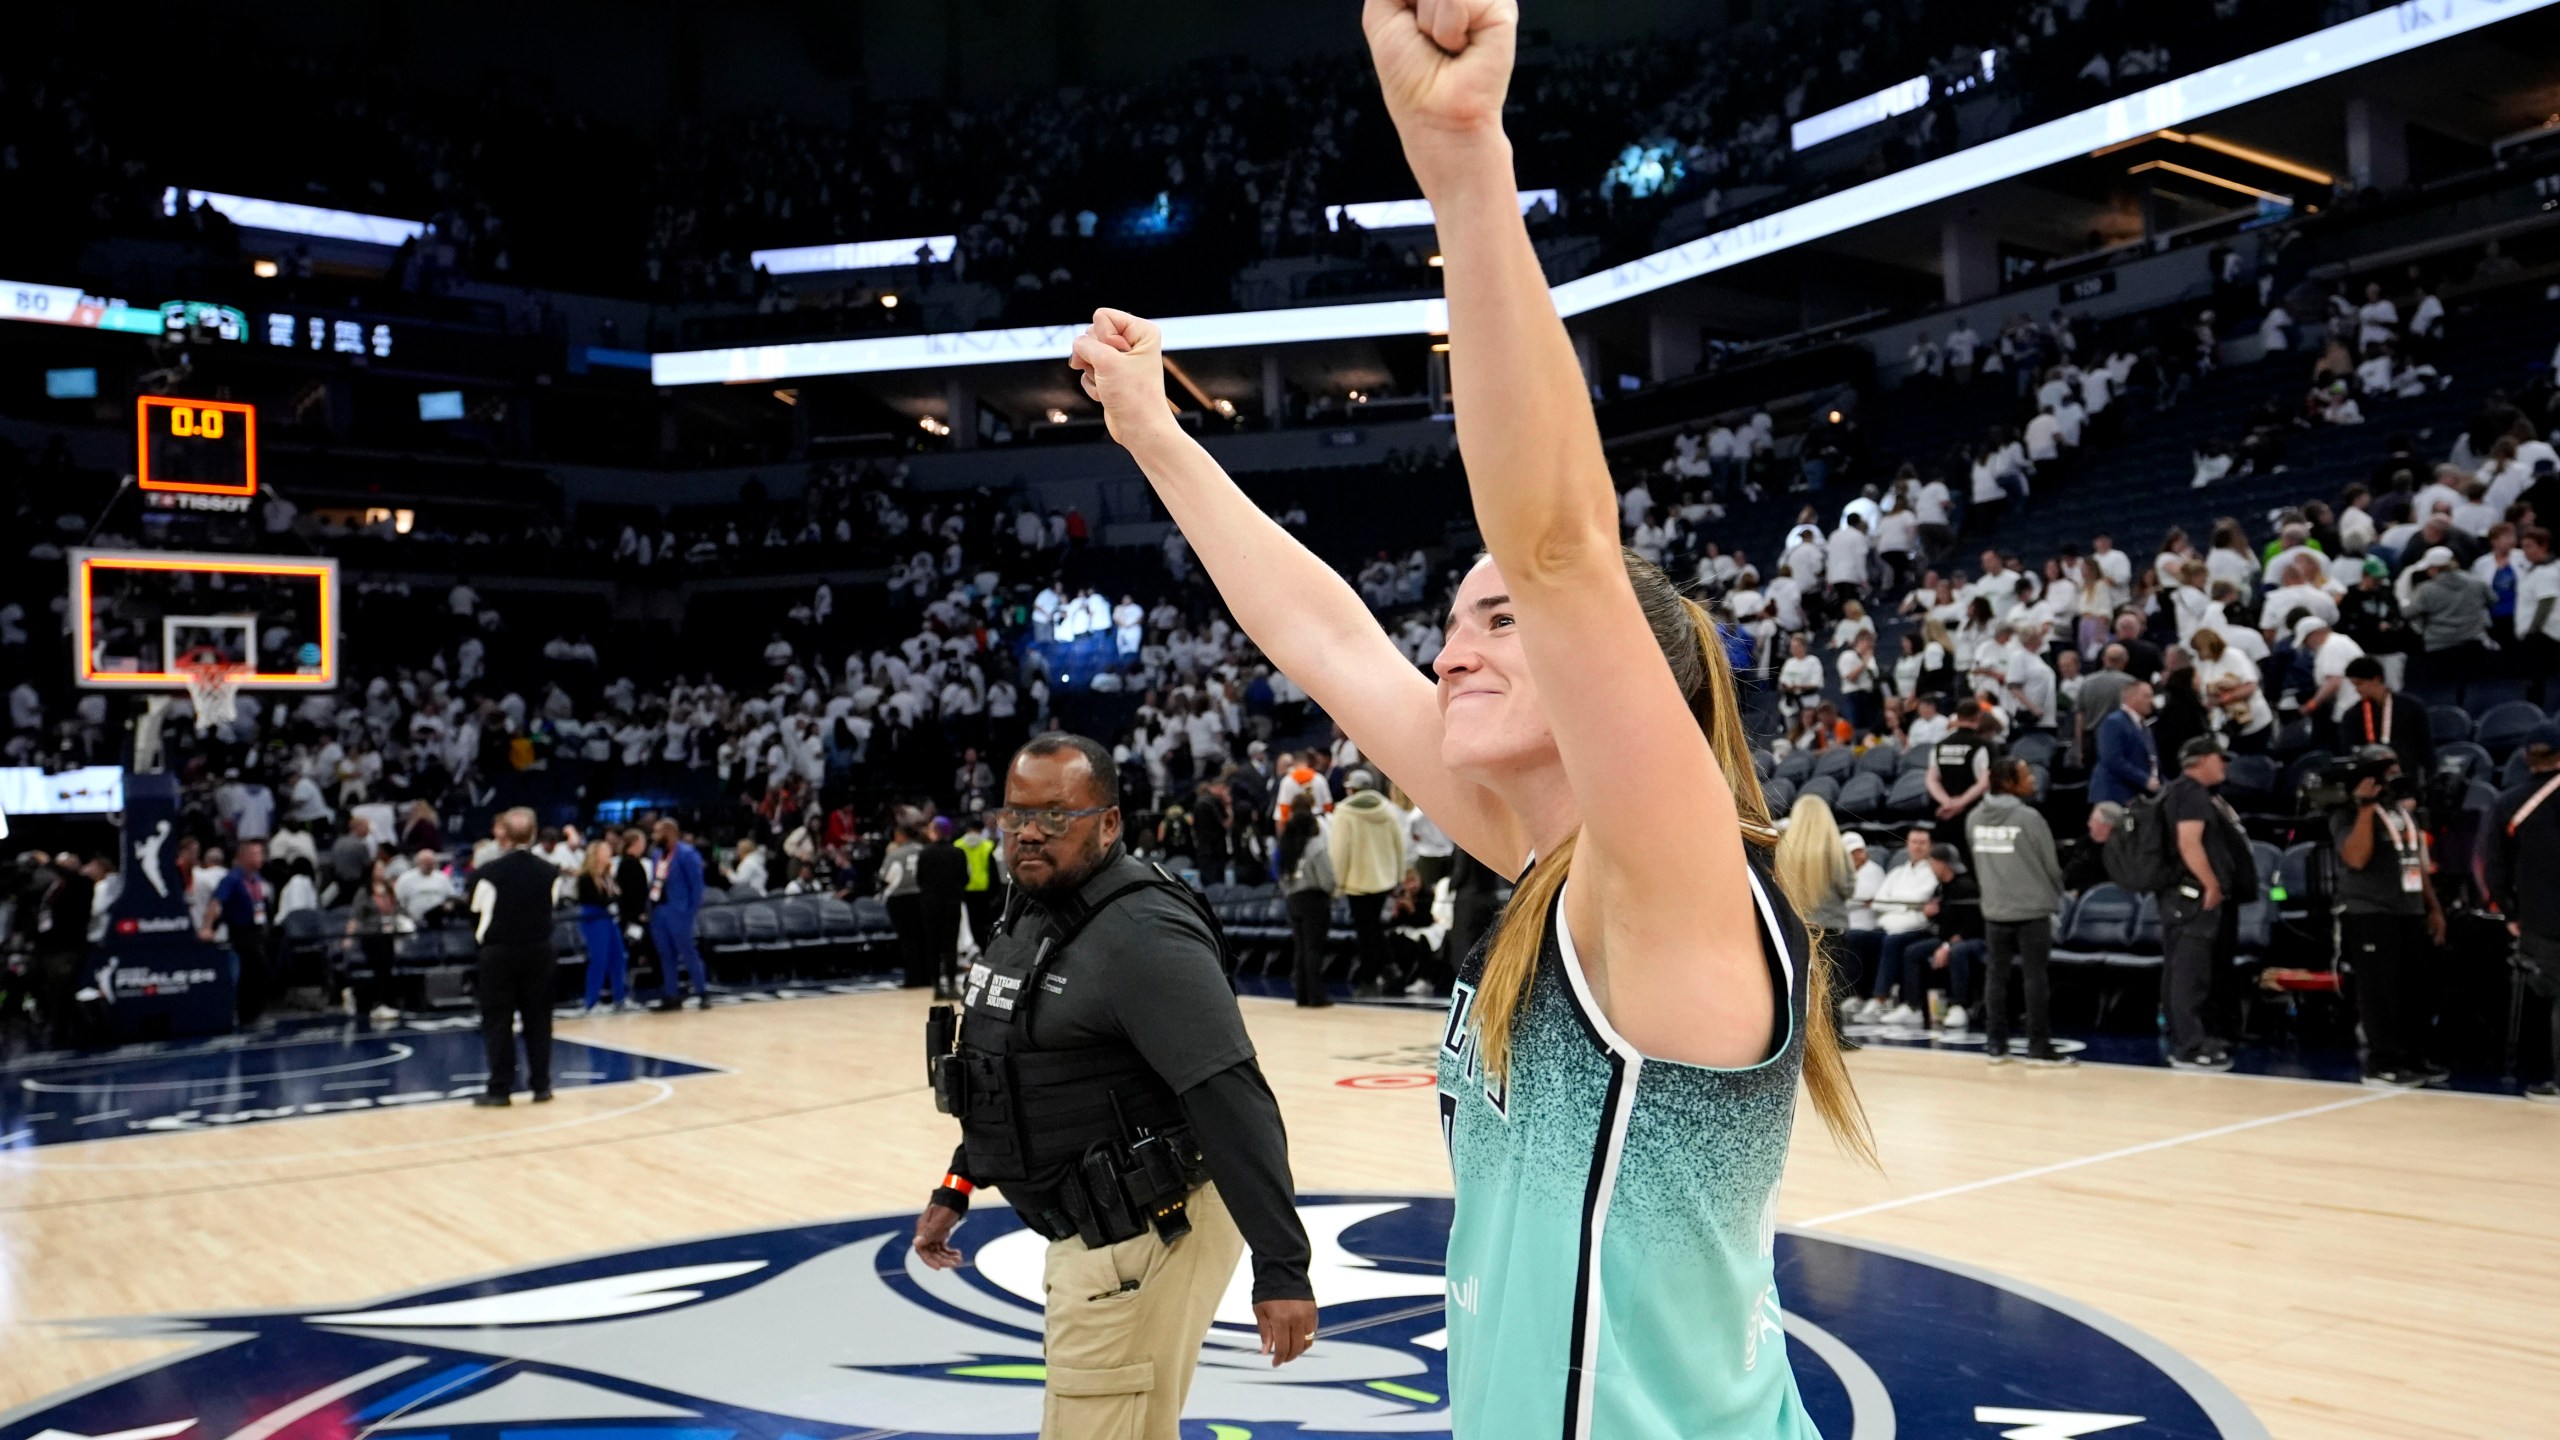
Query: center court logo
[833, 1329]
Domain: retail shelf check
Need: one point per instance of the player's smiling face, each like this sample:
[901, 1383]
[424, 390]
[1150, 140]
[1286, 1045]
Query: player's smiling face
[1491, 719]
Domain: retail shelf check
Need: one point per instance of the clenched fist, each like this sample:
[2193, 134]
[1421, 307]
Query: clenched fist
[1444, 66]
[1120, 359]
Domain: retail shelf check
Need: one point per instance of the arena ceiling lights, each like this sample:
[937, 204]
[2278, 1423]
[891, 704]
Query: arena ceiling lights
[2378, 36]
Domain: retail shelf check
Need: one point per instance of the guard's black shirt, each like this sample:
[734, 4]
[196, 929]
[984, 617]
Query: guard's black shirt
[512, 895]
[2521, 866]
[1145, 972]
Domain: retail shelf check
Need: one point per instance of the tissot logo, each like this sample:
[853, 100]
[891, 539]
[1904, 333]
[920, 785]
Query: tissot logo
[210, 504]
[771, 1333]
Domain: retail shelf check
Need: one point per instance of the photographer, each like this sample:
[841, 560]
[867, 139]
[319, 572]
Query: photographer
[2524, 839]
[2388, 917]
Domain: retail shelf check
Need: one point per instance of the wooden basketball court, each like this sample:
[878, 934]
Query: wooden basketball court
[2348, 1262]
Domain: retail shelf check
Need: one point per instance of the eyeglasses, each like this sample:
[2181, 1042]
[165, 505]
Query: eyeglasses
[1050, 821]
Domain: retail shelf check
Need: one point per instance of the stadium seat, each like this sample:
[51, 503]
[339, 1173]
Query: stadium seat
[838, 920]
[714, 895]
[2504, 728]
[873, 916]
[1781, 795]
[2102, 922]
[1762, 762]
[760, 926]
[2146, 926]
[1909, 795]
[2035, 747]
[2266, 858]
[1795, 769]
[2515, 771]
[2448, 723]
[2251, 783]
[1834, 763]
[565, 939]
[744, 891]
[457, 945]
[2257, 927]
[2291, 739]
[1824, 786]
[801, 924]
[717, 928]
[1915, 759]
[1881, 761]
[1862, 799]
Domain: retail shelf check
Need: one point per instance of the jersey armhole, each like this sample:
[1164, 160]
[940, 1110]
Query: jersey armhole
[1773, 951]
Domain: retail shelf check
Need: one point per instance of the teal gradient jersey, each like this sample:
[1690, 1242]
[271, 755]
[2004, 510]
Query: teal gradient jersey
[1611, 1262]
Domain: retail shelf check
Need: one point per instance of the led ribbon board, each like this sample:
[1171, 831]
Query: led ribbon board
[2378, 36]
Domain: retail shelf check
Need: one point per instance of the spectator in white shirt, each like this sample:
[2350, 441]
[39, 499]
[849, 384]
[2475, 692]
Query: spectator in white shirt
[1845, 565]
[1800, 678]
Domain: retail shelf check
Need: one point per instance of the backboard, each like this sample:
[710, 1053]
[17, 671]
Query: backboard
[137, 611]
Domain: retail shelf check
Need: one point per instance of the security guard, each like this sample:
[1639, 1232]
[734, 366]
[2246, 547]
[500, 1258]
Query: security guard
[1102, 1077]
[2524, 844]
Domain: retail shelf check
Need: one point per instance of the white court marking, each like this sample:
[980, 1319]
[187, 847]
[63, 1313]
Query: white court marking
[399, 1053]
[27, 1159]
[2058, 1166]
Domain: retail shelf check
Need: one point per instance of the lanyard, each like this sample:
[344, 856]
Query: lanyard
[2525, 811]
[2385, 737]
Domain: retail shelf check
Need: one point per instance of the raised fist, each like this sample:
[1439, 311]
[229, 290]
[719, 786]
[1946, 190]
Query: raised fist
[1444, 65]
[1120, 360]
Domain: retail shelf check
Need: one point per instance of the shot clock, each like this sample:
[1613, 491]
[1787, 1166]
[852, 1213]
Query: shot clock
[196, 447]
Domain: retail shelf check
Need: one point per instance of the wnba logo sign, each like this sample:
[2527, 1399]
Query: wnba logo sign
[838, 1325]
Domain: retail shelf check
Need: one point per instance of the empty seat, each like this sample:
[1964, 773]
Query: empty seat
[1909, 795]
[800, 923]
[837, 919]
[2504, 728]
[873, 915]
[1795, 769]
[565, 939]
[2102, 923]
[1863, 797]
[714, 895]
[1824, 786]
[2291, 739]
[2257, 927]
[1762, 762]
[1780, 793]
[2146, 925]
[1915, 759]
[457, 945]
[1834, 763]
[2267, 858]
[760, 926]
[2448, 723]
[717, 928]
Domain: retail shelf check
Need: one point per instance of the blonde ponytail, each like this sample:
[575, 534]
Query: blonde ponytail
[1695, 651]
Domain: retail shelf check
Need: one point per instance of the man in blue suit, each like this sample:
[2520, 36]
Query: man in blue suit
[2128, 764]
[675, 885]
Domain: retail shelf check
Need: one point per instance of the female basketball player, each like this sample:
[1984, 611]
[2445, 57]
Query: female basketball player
[1619, 1069]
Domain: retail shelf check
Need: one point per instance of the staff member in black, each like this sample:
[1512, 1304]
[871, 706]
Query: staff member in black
[1103, 1078]
[512, 896]
[2200, 911]
[2524, 841]
[2388, 920]
[942, 885]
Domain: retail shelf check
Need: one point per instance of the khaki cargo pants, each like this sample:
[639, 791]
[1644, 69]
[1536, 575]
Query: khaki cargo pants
[1120, 1355]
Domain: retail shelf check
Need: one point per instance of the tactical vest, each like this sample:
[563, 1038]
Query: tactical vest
[1088, 1140]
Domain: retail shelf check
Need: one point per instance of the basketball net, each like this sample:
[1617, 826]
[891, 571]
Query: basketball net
[213, 686]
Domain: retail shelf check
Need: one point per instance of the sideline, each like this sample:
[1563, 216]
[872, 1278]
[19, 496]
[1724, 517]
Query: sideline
[2058, 1166]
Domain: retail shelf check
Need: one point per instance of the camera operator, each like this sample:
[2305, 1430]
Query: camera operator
[2524, 840]
[2381, 716]
[2388, 917]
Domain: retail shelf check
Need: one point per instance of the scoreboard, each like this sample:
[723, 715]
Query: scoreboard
[196, 447]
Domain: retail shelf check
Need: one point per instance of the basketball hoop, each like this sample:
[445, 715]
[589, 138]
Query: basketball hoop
[213, 685]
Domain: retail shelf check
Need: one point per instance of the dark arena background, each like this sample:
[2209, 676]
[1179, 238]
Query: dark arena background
[660, 412]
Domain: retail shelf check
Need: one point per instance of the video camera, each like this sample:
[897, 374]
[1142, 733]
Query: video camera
[2333, 786]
